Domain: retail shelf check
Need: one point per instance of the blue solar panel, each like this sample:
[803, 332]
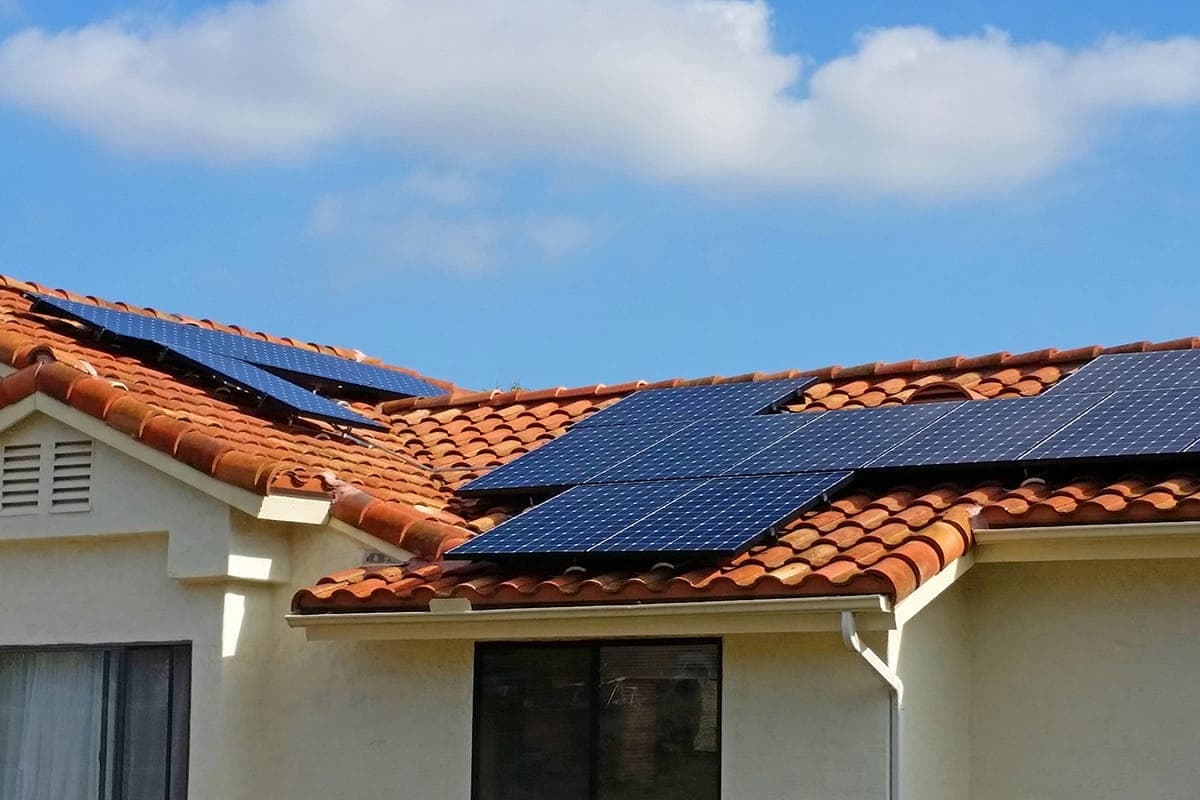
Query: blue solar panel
[275, 388]
[575, 520]
[705, 449]
[1169, 369]
[1128, 424]
[573, 458]
[842, 439]
[723, 515]
[739, 399]
[988, 431]
[176, 335]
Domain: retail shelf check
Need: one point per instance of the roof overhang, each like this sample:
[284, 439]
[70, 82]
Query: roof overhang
[455, 619]
[307, 510]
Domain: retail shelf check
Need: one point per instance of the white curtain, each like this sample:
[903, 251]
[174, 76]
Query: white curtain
[51, 712]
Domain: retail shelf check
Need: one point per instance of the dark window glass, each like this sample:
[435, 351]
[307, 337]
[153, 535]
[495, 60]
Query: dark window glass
[610, 721]
[146, 741]
[533, 723]
[95, 723]
[658, 722]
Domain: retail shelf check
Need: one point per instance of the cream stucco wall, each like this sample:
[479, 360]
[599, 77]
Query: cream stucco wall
[934, 663]
[143, 565]
[1084, 680]
[802, 718]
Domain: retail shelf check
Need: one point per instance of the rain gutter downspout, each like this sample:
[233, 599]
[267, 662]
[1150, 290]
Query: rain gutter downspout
[887, 674]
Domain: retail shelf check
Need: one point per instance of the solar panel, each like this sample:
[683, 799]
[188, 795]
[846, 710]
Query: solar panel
[573, 458]
[293, 360]
[575, 520]
[842, 439]
[723, 515]
[1128, 424]
[988, 431]
[739, 399]
[287, 394]
[705, 449]
[1169, 369]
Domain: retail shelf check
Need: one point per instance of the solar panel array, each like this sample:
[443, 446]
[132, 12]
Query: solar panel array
[690, 403]
[719, 515]
[703, 449]
[251, 378]
[1119, 372]
[848, 440]
[574, 458]
[1128, 424]
[988, 432]
[293, 362]
[706, 471]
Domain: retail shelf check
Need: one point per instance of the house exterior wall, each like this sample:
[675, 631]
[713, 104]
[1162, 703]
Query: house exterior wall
[1084, 681]
[802, 718]
[934, 663]
[1047, 681]
[113, 575]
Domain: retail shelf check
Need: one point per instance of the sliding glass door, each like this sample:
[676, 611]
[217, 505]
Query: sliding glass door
[95, 723]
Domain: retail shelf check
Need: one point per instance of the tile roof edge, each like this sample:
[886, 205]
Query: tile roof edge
[15, 284]
[37, 371]
[403, 525]
[1048, 356]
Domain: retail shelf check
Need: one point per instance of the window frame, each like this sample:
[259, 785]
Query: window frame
[114, 694]
[594, 646]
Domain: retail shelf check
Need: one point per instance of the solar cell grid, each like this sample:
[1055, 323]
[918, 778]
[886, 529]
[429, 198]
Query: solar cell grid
[842, 439]
[1128, 424]
[723, 515]
[575, 520]
[739, 399]
[288, 394]
[706, 448]
[573, 457]
[987, 431]
[1168, 369]
[176, 335]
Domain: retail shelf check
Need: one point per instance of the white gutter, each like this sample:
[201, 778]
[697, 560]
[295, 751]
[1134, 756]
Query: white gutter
[1118, 540]
[456, 619]
[887, 674]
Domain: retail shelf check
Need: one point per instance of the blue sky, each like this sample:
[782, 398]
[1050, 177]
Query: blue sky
[500, 193]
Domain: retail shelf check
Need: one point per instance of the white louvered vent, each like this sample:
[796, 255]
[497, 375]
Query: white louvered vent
[71, 476]
[20, 478]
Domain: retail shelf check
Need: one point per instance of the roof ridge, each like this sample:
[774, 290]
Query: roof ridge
[15, 284]
[912, 367]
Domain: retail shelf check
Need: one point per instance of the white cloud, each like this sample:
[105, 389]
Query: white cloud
[474, 245]
[443, 188]
[672, 89]
[436, 219]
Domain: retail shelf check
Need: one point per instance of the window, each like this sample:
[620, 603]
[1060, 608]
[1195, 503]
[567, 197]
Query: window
[609, 721]
[94, 723]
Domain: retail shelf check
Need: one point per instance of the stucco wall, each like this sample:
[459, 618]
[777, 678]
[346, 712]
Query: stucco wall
[1084, 680]
[102, 577]
[934, 664]
[357, 718]
[803, 718]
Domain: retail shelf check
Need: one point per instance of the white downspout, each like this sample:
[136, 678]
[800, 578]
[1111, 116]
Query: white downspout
[895, 687]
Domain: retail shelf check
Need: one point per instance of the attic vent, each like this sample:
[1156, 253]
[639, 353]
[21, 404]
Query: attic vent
[71, 476]
[20, 473]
